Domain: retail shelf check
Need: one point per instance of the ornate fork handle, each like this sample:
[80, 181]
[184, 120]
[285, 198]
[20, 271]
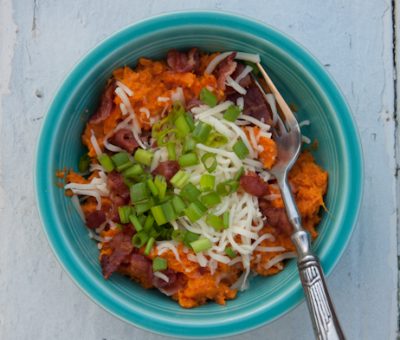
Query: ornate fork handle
[325, 323]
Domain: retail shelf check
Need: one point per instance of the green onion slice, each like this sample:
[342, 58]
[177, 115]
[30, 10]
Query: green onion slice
[201, 132]
[230, 252]
[159, 264]
[135, 222]
[139, 239]
[84, 163]
[207, 182]
[121, 161]
[209, 161]
[106, 162]
[216, 140]
[139, 192]
[190, 192]
[240, 149]
[200, 245]
[124, 213]
[188, 159]
[228, 187]
[215, 221]
[180, 179]
[207, 97]
[143, 156]
[232, 113]
[149, 245]
[211, 199]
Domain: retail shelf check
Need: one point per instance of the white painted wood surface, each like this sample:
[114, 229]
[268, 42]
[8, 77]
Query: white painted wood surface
[41, 40]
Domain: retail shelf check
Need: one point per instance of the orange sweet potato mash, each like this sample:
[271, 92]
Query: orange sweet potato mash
[152, 87]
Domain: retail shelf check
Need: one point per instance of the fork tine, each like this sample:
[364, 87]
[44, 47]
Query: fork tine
[286, 111]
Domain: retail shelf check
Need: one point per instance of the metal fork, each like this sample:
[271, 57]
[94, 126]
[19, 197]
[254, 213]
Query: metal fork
[287, 135]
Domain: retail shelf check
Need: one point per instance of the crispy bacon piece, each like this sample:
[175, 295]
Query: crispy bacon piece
[175, 283]
[139, 268]
[276, 217]
[115, 182]
[184, 61]
[125, 140]
[253, 184]
[167, 169]
[106, 104]
[121, 247]
[95, 218]
[224, 69]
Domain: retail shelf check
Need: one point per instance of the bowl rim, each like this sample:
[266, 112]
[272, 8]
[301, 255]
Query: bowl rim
[247, 24]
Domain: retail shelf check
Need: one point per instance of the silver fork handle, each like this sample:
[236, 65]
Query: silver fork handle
[325, 323]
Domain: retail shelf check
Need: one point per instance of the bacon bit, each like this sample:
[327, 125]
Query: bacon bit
[224, 69]
[60, 174]
[106, 104]
[253, 184]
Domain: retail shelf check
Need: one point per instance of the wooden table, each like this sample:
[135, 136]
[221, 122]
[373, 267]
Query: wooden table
[39, 43]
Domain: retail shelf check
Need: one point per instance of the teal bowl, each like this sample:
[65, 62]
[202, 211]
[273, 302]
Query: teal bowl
[303, 82]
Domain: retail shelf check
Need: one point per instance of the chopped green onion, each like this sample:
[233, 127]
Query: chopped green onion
[152, 187]
[121, 161]
[142, 219]
[178, 235]
[136, 223]
[232, 113]
[134, 171]
[215, 222]
[143, 156]
[239, 174]
[207, 182]
[177, 110]
[149, 246]
[178, 204]
[200, 245]
[216, 140]
[211, 199]
[190, 237]
[161, 185]
[179, 179]
[209, 161]
[225, 219]
[148, 224]
[139, 192]
[124, 213]
[182, 126]
[230, 252]
[159, 264]
[188, 159]
[139, 239]
[106, 162]
[201, 132]
[165, 136]
[168, 211]
[84, 163]
[158, 126]
[189, 145]
[166, 233]
[240, 149]
[144, 206]
[228, 187]
[190, 192]
[207, 97]
[195, 211]
[171, 148]
[190, 121]
[158, 215]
